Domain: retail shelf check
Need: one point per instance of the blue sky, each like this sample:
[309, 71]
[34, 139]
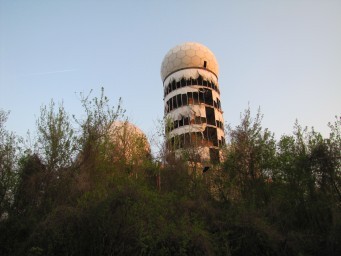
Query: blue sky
[284, 56]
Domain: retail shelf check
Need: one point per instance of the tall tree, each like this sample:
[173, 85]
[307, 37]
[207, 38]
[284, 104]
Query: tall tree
[250, 156]
[56, 139]
[9, 149]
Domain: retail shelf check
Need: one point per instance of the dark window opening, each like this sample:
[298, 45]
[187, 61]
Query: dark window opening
[201, 97]
[178, 98]
[186, 121]
[208, 97]
[197, 120]
[196, 97]
[175, 104]
[181, 122]
[200, 80]
[173, 85]
[190, 98]
[215, 104]
[210, 116]
[170, 104]
[220, 125]
[205, 64]
[183, 82]
[184, 99]
[218, 103]
[214, 155]
[211, 135]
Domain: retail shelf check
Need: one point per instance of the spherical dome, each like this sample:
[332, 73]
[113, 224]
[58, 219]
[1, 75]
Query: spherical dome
[188, 55]
[132, 143]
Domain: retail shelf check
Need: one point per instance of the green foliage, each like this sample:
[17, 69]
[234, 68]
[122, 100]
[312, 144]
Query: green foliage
[9, 155]
[56, 141]
[79, 194]
[250, 158]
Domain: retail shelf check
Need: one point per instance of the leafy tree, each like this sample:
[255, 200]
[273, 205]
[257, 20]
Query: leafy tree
[56, 140]
[250, 158]
[9, 155]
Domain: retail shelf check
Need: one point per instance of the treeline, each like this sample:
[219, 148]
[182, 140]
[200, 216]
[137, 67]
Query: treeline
[73, 191]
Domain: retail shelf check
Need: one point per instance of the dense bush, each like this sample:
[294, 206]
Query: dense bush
[69, 196]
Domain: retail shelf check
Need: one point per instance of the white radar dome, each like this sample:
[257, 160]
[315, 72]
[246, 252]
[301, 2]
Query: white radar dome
[188, 55]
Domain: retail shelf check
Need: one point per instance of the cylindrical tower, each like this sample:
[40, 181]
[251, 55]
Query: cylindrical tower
[194, 119]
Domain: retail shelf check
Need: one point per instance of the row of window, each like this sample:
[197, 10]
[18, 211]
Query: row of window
[206, 138]
[172, 86]
[192, 98]
[196, 120]
[214, 156]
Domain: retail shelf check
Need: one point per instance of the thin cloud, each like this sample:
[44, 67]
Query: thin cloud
[51, 72]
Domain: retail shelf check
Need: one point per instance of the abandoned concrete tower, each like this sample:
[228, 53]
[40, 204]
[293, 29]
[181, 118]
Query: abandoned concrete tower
[194, 119]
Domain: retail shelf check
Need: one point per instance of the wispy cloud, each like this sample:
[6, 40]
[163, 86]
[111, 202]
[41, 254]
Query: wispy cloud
[51, 72]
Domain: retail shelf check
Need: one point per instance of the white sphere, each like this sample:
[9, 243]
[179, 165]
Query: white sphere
[188, 55]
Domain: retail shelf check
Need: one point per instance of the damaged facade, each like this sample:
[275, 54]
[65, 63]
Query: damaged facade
[193, 114]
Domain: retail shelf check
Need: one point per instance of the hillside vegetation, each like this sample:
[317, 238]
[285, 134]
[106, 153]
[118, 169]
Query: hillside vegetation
[73, 192]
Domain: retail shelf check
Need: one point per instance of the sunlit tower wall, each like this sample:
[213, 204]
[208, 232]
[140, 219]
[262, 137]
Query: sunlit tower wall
[192, 108]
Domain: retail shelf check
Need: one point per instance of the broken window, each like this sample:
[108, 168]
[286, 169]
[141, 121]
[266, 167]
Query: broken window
[201, 97]
[173, 86]
[208, 97]
[178, 98]
[184, 99]
[218, 103]
[190, 98]
[219, 124]
[181, 122]
[175, 104]
[186, 121]
[197, 120]
[170, 104]
[196, 98]
[214, 155]
[183, 82]
[215, 104]
[210, 134]
[210, 116]
[200, 80]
